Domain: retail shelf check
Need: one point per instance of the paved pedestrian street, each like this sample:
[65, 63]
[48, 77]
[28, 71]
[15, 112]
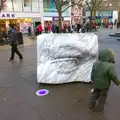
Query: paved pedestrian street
[18, 86]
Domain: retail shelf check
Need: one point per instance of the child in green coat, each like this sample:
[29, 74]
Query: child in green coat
[103, 73]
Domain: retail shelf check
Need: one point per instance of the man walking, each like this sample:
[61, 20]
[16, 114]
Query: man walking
[53, 27]
[29, 31]
[14, 43]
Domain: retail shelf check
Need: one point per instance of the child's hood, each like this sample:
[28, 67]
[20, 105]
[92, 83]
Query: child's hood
[106, 56]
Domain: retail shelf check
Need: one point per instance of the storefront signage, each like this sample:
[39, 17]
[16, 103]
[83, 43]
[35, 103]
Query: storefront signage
[57, 18]
[7, 15]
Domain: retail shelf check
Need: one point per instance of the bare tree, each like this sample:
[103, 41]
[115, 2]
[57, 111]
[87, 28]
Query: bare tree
[94, 5]
[59, 6]
[2, 4]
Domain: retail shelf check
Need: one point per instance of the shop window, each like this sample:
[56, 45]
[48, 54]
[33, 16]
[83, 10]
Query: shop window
[49, 6]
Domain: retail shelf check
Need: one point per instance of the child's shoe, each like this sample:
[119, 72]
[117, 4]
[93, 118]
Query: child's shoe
[100, 110]
[91, 105]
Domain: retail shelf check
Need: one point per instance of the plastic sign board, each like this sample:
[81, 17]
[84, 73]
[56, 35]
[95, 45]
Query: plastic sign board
[57, 18]
[7, 15]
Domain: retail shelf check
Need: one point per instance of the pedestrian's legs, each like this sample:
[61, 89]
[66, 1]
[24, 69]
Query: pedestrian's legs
[40, 32]
[18, 53]
[102, 98]
[95, 29]
[30, 34]
[12, 52]
[94, 98]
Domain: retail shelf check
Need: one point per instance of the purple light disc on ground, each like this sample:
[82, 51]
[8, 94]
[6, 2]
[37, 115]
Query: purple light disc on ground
[42, 92]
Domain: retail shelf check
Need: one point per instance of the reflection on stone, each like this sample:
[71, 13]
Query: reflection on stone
[64, 58]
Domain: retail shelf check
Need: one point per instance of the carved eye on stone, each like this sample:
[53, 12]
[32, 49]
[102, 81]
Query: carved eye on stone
[66, 65]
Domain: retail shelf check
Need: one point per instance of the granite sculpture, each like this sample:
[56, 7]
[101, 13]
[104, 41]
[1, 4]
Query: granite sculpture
[65, 58]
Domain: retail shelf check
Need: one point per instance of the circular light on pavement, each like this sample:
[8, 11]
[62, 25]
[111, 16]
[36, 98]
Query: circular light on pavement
[42, 92]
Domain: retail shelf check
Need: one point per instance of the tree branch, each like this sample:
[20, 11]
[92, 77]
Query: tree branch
[88, 5]
[71, 6]
[93, 3]
[99, 4]
[57, 4]
[64, 2]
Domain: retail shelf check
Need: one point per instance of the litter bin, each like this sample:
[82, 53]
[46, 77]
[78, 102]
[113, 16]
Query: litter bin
[1, 42]
[20, 38]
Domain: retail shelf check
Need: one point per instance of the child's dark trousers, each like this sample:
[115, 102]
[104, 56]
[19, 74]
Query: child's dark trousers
[100, 96]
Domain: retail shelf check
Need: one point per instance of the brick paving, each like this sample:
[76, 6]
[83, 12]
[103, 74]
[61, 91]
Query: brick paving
[64, 102]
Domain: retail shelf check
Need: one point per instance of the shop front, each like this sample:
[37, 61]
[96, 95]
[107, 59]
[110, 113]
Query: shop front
[20, 20]
[51, 14]
[50, 20]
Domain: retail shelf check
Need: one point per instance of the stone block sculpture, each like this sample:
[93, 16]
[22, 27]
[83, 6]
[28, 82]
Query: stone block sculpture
[65, 58]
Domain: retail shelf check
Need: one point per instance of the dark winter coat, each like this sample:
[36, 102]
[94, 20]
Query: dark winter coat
[13, 37]
[103, 71]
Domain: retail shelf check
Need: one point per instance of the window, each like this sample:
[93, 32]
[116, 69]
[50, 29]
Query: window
[27, 5]
[49, 6]
[35, 5]
[9, 6]
[17, 5]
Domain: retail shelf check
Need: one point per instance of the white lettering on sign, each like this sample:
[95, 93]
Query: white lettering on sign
[7, 15]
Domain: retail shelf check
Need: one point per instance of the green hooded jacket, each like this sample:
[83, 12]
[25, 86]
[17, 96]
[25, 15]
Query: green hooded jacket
[103, 71]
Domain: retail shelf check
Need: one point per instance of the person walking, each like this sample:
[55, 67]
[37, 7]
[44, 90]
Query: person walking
[94, 26]
[69, 28]
[107, 24]
[112, 24]
[78, 27]
[103, 73]
[29, 31]
[14, 43]
[40, 29]
[46, 28]
[49, 28]
[53, 28]
[57, 29]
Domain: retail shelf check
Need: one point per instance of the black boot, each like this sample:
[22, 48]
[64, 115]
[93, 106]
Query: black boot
[100, 109]
[92, 105]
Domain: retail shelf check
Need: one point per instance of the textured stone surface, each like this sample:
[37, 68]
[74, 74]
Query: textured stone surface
[65, 58]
